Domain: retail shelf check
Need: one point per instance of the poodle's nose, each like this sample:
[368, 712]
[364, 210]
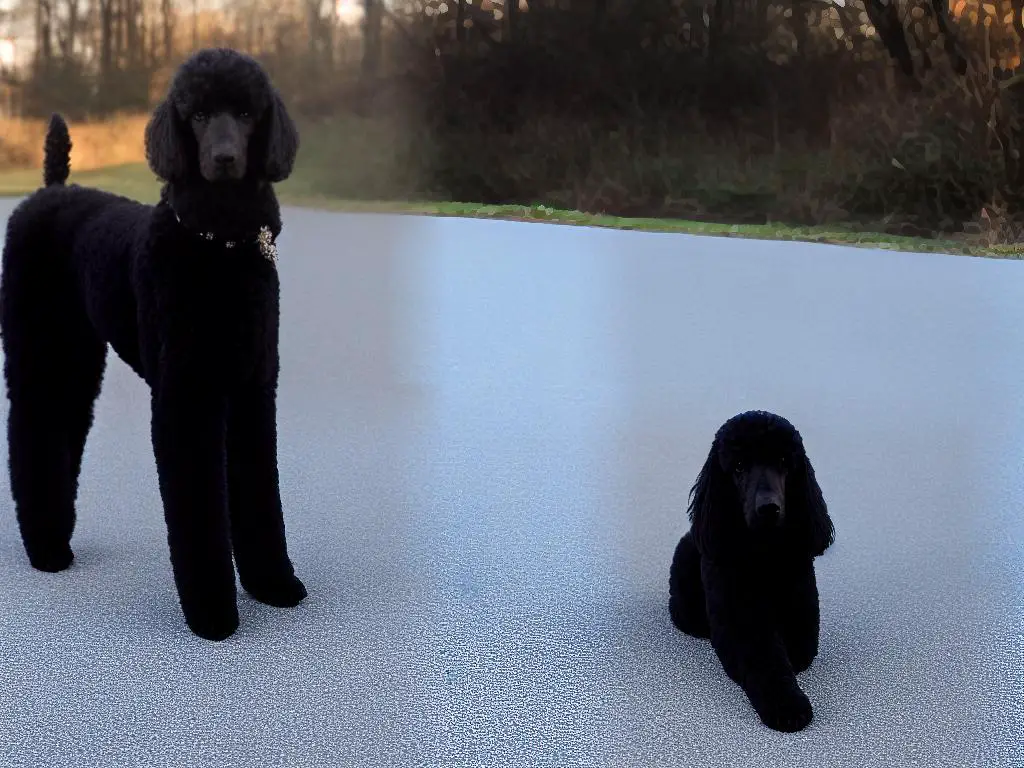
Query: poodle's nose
[224, 159]
[767, 512]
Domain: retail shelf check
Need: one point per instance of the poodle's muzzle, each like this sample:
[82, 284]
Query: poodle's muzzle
[764, 497]
[223, 141]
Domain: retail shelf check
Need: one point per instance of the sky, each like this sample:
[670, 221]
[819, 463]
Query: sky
[349, 11]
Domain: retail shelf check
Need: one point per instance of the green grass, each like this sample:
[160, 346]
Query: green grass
[137, 182]
[134, 181]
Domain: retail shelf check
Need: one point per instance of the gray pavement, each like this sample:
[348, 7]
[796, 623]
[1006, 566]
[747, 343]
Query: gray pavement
[487, 434]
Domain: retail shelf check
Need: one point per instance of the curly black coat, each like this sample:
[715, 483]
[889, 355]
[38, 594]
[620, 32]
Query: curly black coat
[743, 574]
[186, 292]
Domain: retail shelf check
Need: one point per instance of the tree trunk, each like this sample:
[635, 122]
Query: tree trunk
[44, 34]
[887, 24]
[371, 37]
[512, 13]
[66, 40]
[167, 26]
[798, 25]
[106, 42]
[716, 29]
[313, 25]
[949, 37]
[117, 35]
[132, 37]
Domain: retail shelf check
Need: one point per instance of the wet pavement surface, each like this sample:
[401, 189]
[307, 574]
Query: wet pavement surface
[487, 435]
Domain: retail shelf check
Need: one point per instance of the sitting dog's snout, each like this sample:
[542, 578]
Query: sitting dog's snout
[224, 158]
[767, 508]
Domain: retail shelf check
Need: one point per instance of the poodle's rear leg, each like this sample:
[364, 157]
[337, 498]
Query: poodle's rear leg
[51, 411]
[41, 482]
[81, 400]
[254, 500]
[686, 603]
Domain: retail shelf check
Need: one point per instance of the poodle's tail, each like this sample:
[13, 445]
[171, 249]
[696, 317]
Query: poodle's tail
[56, 152]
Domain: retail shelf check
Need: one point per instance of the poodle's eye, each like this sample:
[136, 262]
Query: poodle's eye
[243, 115]
[199, 117]
[738, 467]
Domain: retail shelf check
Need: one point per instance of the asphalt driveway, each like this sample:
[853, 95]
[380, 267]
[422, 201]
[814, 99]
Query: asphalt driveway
[487, 434]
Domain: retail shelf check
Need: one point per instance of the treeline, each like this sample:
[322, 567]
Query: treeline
[901, 114]
[98, 57]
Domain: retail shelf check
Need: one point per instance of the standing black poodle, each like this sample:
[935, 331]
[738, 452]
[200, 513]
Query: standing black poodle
[186, 292]
[743, 575]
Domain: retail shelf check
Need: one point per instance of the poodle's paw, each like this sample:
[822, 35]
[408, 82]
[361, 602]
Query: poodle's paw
[801, 652]
[51, 559]
[214, 624]
[801, 662]
[695, 626]
[788, 711]
[284, 592]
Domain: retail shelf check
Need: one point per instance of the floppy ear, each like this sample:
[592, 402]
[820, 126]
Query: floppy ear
[808, 507]
[281, 141]
[714, 508]
[165, 151]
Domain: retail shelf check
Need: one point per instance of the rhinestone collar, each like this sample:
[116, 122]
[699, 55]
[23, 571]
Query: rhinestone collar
[264, 239]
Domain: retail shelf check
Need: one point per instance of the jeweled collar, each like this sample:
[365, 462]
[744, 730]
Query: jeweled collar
[264, 238]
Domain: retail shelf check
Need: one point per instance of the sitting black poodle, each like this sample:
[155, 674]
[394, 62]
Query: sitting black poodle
[743, 575]
[186, 292]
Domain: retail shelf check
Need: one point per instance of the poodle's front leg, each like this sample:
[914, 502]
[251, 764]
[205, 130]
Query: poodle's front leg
[750, 650]
[189, 443]
[799, 620]
[254, 500]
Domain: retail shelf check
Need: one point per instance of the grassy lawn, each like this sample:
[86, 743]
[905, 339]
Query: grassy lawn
[136, 181]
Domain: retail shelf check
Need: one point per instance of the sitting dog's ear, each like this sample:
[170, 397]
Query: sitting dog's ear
[280, 141]
[807, 505]
[714, 510]
[165, 151]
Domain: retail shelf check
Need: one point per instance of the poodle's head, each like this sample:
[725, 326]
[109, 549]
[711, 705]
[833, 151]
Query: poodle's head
[758, 485]
[222, 121]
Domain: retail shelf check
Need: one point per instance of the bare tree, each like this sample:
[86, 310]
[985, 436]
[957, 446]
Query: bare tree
[66, 36]
[372, 18]
[320, 16]
[460, 22]
[44, 35]
[167, 27]
[511, 14]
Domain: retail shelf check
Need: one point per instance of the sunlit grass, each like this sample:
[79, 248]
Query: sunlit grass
[133, 180]
[95, 144]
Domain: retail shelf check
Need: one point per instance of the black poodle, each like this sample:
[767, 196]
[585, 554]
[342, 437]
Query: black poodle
[186, 292]
[743, 574]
